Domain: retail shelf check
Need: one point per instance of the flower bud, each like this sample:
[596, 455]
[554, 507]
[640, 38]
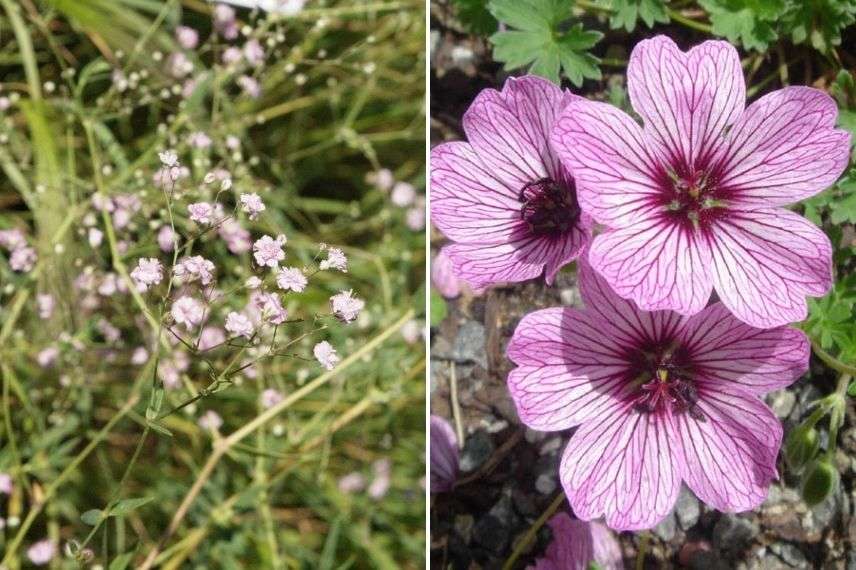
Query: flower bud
[801, 446]
[819, 482]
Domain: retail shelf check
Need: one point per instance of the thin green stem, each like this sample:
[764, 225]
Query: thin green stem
[524, 542]
[831, 361]
[681, 19]
[643, 550]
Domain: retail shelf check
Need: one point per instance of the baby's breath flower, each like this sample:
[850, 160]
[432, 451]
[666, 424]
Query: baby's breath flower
[187, 311]
[166, 238]
[46, 305]
[238, 324]
[270, 398]
[41, 552]
[291, 279]
[5, 484]
[23, 259]
[95, 237]
[326, 354]
[336, 259]
[267, 251]
[271, 308]
[252, 205]
[211, 421]
[345, 306]
[196, 267]
[187, 37]
[148, 272]
[403, 194]
[253, 282]
[201, 212]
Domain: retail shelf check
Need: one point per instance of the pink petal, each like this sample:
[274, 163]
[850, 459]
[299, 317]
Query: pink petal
[766, 262]
[523, 257]
[510, 129]
[729, 458]
[444, 455]
[607, 550]
[687, 100]
[468, 203]
[612, 169]
[726, 350]
[443, 276]
[568, 370]
[784, 148]
[577, 543]
[619, 318]
[657, 265]
[620, 465]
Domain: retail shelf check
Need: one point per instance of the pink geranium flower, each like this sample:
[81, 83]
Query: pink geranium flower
[694, 200]
[504, 198]
[658, 398]
[576, 544]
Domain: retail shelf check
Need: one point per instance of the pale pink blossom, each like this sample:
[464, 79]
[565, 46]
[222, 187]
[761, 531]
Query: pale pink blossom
[148, 272]
[188, 311]
[95, 237]
[238, 239]
[187, 37]
[231, 55]
[201, 212]
[403, 194]
[12, 239]
[195, 268]
[252, 282]
[23, 259]
[694, 201]
[412, 331]
[657, 398]
[224, 21]
[252, 205]
[254, 53]
[271, 308]
[384, 179]
[167, 238]
[210, 421]
[179, 65]
[336, 259]
[211, 337]
[382, 478]
[47, 356]
[268, 252]
[140, 356]
[250, 86]
[345, 306]
[238, 324]
[270, 398]
[199, 140]
[352, 483]
[577, 544]
[443, 276]
[291, 279]
[5, 484]
[415, 218]
[42, 552]
[503, 198]
[45, 304]
[326, 354]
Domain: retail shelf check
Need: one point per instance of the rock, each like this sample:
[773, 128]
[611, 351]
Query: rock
[492, 531]
[782, 402]
[469, 344]
[687, 509]
[789, 554]
[707, 560]
[464, 527]
[733, 533]
[667, 528]
[478, 447]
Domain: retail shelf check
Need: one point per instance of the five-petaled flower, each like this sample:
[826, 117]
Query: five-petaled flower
[658, 398]
[503, 198]
[694, 200]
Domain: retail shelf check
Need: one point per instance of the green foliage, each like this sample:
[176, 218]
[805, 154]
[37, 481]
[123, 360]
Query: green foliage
[844, 91]
[751, 23]
[819, 22]
[626, 13]
[475, 16]
[438, 308]
[536, 40]
[831, 319]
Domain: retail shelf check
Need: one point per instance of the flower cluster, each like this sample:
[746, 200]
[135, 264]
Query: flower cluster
[662, 385]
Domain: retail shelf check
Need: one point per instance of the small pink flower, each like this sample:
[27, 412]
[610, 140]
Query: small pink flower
[254, 53]
[252, 282]
[12, 239]
[271, 308]
[95, 237]
[195, 268]
[210, 421]
[211, 337]
[179, 65]
[326, 354]
[47, 357]
[187, 37]
[576, 544]
[41, 552]
[267, 251]
[140, 356]
[224, 21]
[250, 86]
[503, 198]
[443, 276]
[46, 304]
[238, 324]
[168, 158]
[657, 398]
[415, 218]
[352, 483]
[167, 238]
[291, 279]
[5, 484]
[238, 239]
[201, 212]
[382, 478]
[188, 311]
[384, 179]
[270, 398]
[444, 455]
[252, 205]
[345, 306]
[694, 201]
[231, 55]
[336, 259]
[148, 272]
[199, 140]
[412, 331]
[403, 194]
[23, 259]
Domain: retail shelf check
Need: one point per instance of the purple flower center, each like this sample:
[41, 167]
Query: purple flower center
[691, 198]
[663, 376]
[549, 207]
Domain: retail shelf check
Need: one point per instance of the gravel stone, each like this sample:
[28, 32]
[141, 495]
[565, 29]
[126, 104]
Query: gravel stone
[478, 447]
[687, 509]
[732, 533]
[469, 344]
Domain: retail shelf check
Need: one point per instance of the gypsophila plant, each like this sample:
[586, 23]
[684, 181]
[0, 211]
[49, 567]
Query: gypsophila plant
[200, 319]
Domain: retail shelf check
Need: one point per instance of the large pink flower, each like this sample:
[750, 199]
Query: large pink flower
[658, 398]
[503, 198]
[576, 544]
[693, 201]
